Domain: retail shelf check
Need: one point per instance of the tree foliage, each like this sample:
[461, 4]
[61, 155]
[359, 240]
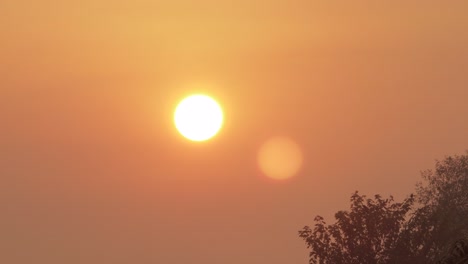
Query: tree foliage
[418, 230]
[442, 215]
[368, 233]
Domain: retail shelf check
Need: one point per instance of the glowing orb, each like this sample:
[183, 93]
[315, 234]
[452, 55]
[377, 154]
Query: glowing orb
[280, 158]
[198, 117]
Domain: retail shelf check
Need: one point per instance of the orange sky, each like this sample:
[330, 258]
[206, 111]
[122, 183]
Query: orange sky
[93, 171]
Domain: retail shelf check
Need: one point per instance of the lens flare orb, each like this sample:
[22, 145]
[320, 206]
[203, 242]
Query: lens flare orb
[280, 158]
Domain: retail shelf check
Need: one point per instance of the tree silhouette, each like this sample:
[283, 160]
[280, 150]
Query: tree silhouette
[442, 215]
[416, 230]
[368, 233]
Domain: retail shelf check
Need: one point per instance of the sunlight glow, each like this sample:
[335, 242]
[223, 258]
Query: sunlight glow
[198, 117]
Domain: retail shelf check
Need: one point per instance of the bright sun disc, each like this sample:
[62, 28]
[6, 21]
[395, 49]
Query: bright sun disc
[198, 117]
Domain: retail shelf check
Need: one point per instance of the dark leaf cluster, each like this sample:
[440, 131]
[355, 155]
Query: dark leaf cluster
[420, 229]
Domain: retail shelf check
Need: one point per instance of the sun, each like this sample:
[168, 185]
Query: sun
[198, 117]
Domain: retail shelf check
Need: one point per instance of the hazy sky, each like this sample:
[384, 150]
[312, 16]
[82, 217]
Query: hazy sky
[92, 170]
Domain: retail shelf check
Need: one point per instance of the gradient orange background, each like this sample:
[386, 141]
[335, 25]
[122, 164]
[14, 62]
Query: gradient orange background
[93, 171]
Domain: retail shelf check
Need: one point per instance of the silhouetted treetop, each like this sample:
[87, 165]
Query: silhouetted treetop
[368, 233]
[417, 230]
